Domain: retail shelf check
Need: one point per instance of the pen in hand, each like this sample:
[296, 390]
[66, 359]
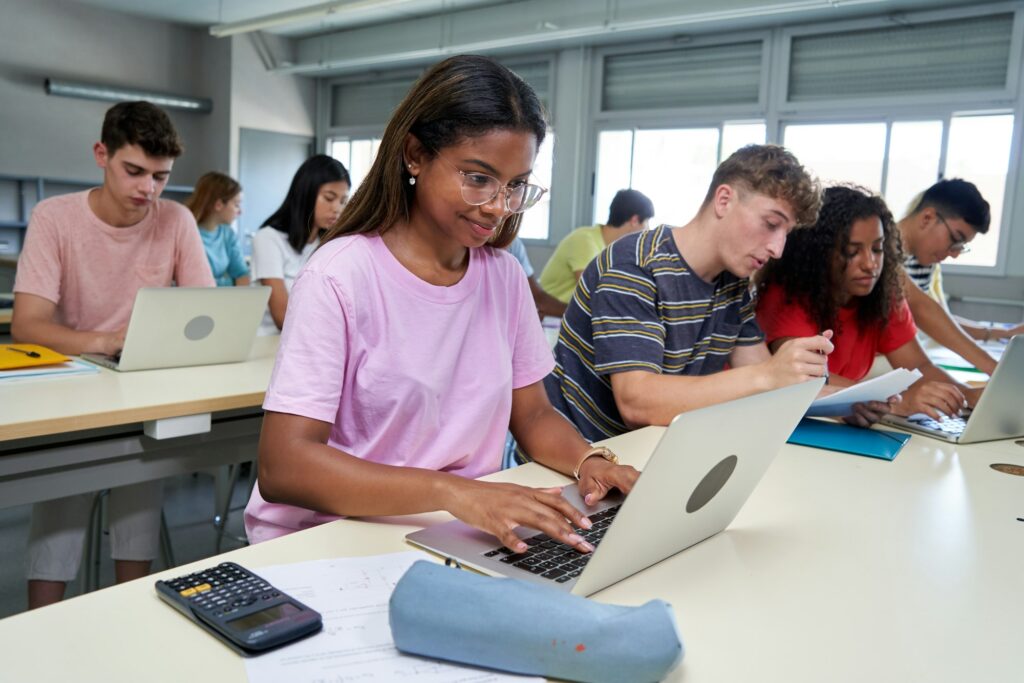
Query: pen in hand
[30, 354]
[828, 335]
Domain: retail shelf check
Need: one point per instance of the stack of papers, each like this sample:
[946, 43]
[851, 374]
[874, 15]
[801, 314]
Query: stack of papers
[880, 388]
[71, 367]
[352, 595]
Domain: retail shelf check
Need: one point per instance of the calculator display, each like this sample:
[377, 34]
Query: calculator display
[264, 617]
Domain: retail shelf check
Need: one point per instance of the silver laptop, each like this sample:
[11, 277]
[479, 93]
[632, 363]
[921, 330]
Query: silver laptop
[700, 474]
[997, 414]
[174, 327]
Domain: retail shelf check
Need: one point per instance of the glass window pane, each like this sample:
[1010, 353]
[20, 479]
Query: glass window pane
[736, 135]
[536, 220]
[840, 152]
[340, 150]
[356, 155]
[363, 152]
[914, 150]
[979, 151]
[614, 169]
[673, 168]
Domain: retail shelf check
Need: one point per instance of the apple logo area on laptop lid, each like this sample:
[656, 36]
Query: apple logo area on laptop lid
[184, 326]
[705, 466]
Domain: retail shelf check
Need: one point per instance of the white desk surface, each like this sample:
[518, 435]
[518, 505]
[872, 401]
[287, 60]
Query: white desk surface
[55, 405]
[839, 568]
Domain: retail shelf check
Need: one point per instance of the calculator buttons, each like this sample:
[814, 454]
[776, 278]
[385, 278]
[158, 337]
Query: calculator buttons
[188, 592]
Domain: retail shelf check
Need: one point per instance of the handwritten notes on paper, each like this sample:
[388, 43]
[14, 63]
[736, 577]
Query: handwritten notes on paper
[355, 645]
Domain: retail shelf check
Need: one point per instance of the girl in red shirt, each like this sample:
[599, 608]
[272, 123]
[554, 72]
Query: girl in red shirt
[844, 274]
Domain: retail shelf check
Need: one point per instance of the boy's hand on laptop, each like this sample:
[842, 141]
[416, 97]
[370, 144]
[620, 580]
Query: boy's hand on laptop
[599, 476]
[799, 360]
[932, 398]
[108, 343]
[498, 508]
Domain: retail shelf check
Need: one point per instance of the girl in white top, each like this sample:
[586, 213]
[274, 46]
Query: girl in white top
[318, 193]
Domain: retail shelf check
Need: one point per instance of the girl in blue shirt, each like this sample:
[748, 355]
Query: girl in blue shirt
[216, 202]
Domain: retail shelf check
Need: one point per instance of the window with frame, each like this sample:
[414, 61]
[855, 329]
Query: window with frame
[672, 166]
[901, 159]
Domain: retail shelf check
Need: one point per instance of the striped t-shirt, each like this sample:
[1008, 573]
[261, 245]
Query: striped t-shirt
[920, 274]
[639, 307]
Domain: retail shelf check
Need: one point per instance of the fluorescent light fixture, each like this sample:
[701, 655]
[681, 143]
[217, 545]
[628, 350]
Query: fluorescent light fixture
[347, 8]
[107, 93]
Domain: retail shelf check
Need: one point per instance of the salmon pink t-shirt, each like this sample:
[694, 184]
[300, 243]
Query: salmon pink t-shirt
[93, 270]
[407, 373]
[855, 344]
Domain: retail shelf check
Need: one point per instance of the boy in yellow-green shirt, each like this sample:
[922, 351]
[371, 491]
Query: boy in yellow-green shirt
[629, 212]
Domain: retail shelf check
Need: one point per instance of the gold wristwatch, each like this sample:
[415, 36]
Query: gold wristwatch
[603, 451]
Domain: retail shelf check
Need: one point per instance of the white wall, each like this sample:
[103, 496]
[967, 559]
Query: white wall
[53, 136]
[266, 101]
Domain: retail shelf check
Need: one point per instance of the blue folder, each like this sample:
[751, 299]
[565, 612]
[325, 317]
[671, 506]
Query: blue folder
[833, 436]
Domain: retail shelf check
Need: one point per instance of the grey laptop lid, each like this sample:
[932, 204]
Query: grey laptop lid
[702, 471]
[997, 414]
[182, 326]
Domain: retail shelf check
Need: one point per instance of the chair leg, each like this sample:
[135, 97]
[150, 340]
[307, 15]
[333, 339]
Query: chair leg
[220, 522]
[166, 550]
[94, 543]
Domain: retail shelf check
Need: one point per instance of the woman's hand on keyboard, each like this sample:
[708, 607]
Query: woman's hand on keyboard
[932, 398]
[599, 476]
[499, 508]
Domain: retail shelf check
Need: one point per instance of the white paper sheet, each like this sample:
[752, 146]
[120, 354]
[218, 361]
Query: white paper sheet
[69, 368]
[355, 645]
[878, 389]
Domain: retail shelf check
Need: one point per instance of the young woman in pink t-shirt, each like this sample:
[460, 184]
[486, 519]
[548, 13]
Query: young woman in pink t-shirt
[412, 344]
[843, 274]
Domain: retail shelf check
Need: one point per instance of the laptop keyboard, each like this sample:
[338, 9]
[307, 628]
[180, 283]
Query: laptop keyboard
[948, 424]
[554, 560]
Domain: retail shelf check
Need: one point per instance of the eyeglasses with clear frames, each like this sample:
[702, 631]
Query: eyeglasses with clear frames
[480, 188]
[956, 245]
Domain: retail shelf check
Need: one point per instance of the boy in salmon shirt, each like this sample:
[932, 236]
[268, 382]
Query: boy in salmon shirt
[85, 256]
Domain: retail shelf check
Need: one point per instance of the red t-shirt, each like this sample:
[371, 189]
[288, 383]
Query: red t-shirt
[856, 345]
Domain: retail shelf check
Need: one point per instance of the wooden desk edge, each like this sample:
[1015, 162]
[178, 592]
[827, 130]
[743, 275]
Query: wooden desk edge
[113, 418]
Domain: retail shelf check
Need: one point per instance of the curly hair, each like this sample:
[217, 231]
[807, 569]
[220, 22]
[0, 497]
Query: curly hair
[814, 259]
[773, 171]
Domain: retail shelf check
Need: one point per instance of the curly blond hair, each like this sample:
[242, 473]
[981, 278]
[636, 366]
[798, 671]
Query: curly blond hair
[772, 171]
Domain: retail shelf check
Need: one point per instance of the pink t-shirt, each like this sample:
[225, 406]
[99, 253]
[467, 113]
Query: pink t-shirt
[93, 270]
[406, 372]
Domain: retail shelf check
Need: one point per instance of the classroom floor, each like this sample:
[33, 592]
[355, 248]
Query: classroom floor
[188, 504]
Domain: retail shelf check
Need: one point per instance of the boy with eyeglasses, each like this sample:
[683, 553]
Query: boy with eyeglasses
[662, 320]
[947, 217]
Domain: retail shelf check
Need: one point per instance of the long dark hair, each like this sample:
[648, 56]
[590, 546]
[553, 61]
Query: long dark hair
[295, 215]
[807, 274]
[462, 96]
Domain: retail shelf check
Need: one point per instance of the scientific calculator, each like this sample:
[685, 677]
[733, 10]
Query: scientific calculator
[240, 608]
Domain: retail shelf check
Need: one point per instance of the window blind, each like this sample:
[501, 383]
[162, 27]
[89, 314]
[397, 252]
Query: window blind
[683, 77]
[944, 56]
[372, 102]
